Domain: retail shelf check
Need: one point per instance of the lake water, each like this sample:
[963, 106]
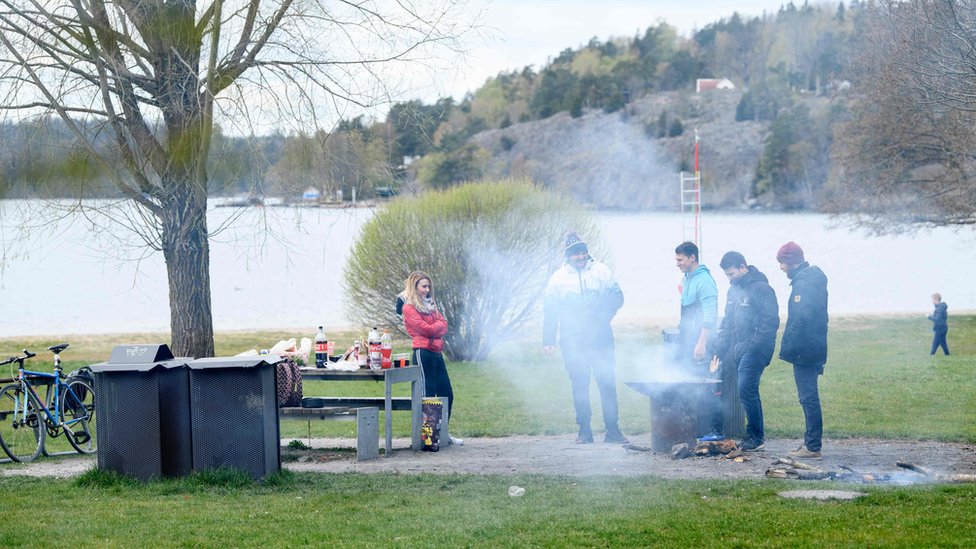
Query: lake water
[281, 268]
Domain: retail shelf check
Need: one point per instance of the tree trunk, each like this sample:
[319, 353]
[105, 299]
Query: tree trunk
[187, 253]
[186, 246]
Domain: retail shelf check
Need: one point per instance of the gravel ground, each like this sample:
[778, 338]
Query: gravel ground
[559, 455]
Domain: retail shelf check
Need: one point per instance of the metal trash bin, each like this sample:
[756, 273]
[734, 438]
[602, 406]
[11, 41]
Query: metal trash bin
[234, 406]
[675, 410]
[733, 414]
[143, 410]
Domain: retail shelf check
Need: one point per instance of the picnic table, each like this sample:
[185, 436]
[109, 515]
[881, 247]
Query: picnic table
[390, 377]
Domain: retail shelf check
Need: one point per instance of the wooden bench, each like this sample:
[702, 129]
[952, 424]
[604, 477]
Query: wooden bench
[396, 403]
[367, 424]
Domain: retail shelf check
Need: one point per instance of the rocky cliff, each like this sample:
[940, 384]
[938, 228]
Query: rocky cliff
[616, 160]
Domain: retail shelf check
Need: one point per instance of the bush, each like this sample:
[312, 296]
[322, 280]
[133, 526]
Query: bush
[489, 248]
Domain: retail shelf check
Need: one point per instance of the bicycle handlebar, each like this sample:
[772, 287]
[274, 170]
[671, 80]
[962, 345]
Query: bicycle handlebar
[27, 354]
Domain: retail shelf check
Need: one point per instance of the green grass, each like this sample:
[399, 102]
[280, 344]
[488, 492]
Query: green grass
[388, 510]
[880, 382]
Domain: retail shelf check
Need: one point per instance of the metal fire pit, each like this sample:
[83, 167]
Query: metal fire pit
[674, 410]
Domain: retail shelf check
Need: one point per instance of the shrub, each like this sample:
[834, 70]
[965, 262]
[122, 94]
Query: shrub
[489, 248]
[676, 128]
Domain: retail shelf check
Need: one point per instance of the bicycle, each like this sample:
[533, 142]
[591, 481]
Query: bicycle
[68, 407]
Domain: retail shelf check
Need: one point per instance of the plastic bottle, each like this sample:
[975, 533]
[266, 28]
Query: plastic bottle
[361, 354]
[375, 349]
[321, 349]
[386, 350]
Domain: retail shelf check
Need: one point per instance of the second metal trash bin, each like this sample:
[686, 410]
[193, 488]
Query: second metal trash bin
[143, 410]
[234, 406]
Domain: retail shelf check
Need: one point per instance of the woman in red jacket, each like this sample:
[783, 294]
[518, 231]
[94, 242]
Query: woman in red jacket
[427, 326]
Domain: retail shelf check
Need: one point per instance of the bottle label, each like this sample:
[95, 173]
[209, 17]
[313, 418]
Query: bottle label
[321, 347]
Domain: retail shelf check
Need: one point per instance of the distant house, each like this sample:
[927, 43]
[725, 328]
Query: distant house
[311, 194]
[703, 84]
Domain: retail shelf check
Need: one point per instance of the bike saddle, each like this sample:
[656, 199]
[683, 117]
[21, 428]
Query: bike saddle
[56, 349]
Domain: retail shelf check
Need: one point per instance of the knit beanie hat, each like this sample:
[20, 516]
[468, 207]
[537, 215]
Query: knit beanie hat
[790, 253]
[575, 245]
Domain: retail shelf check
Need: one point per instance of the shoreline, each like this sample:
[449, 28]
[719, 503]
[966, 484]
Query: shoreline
[625, 324]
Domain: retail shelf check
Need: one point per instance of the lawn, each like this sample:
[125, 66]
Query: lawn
[387, 510]
[879, 382]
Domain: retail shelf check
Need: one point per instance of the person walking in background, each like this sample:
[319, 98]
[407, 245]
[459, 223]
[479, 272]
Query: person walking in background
[427, 327]
[699, 312]
[940, 326]
[747, 337]
[581, 299]
[804, 343]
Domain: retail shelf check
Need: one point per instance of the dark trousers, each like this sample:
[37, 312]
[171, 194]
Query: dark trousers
[750, 370]
[599, 363]
[939, 340]
[436, 381]
[805, 376]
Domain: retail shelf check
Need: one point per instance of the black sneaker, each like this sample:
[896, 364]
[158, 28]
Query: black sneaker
[752, 445]
[615, 437]
[584, 437]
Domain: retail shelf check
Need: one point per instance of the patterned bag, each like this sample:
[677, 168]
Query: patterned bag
[289, 378]
[430, 431]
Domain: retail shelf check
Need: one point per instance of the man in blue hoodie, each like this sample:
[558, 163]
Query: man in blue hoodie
[699, 312]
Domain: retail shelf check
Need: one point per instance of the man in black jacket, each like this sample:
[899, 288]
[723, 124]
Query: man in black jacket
[747, 337]
[804, 343]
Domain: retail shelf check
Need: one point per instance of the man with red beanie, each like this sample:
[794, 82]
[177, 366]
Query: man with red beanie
[804, 343]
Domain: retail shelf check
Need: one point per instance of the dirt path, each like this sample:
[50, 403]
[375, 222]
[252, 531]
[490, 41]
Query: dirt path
[559, 455]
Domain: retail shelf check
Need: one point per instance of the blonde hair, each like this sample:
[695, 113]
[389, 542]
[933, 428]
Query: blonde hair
[937, 296]
[410, 288]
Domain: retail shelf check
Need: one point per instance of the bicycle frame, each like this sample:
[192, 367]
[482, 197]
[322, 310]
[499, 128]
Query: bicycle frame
[53, 399]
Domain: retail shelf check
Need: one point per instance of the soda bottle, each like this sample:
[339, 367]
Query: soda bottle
[375, 351]
[386, 350]
[321, 349]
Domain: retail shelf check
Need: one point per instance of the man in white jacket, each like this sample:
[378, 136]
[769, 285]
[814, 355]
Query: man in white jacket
[580, 301]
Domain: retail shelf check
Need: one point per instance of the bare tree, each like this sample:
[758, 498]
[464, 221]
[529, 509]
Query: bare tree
[149, 77]
[907, 154]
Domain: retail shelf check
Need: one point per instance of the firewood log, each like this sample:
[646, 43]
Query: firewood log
[813, 475]
[794, 464]
[917, 468]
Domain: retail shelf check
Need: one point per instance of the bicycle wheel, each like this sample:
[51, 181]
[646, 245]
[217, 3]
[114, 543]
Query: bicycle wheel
[21, 424]
[78, 416]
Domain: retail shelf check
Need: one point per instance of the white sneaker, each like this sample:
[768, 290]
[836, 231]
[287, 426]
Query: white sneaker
[456, 441]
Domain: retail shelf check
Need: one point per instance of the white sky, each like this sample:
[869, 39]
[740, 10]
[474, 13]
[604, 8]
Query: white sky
[528, 32]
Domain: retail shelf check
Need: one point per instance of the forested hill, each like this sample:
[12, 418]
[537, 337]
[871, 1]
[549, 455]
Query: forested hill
[611, 122]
